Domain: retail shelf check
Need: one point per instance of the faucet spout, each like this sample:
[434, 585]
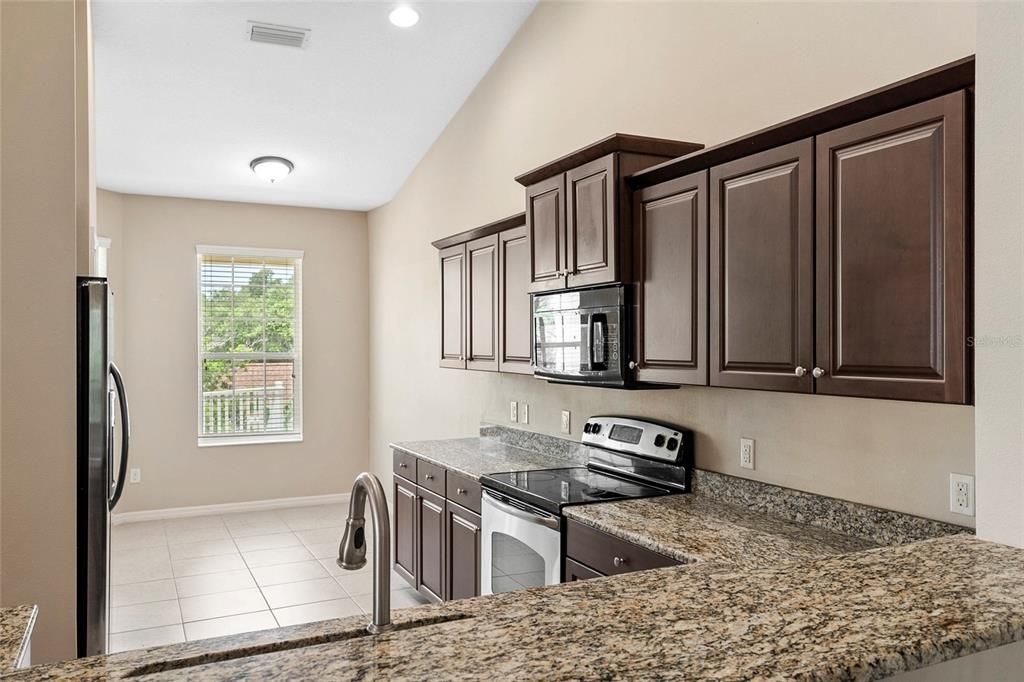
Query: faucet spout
[352, 550]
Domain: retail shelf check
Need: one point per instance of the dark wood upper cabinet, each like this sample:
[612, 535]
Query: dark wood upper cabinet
[578, 212]
[545, 229]
[453, 306]
[591, 248]
[514, 315]
[762, 270]
[485, 299]
[891, 263]
[431, 546]
[463, 572]
[670, 223]
[405, 529]
[482, 303]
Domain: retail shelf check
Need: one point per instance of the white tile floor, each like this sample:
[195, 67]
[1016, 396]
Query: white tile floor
[207, 576]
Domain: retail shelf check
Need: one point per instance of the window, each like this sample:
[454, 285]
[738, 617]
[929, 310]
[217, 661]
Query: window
[250, 345]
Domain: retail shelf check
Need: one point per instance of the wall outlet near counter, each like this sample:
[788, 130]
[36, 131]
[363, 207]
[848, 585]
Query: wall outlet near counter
[566, 421]
[961, 494]
[747, 453]
[524, 414]
[135, 475]
[513, 412]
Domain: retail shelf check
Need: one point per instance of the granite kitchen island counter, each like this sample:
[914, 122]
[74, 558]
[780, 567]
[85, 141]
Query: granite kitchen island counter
[694, 528]
[864, 615]
[16, 624]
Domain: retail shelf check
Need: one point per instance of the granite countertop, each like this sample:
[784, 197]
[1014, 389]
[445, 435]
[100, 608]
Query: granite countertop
[694, 528]
[864, 615]
[475, 457]
[16, 625]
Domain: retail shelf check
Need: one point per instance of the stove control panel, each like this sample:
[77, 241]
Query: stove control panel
[633, 436]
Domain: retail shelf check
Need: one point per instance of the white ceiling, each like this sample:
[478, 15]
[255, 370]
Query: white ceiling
[184, 101]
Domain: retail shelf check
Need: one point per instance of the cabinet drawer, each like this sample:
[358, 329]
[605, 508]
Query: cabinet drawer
[430, 476]
[599, 551]
[464, 490]
[575, 571]
[405, 465]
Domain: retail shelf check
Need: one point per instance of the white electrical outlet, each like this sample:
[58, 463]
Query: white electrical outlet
[135, 475]
[524, 414]
[566, 421]
[961, 494]
[747, 453]
[513, 412]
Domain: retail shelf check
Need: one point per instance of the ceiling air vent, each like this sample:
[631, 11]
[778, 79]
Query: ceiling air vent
[276, 34]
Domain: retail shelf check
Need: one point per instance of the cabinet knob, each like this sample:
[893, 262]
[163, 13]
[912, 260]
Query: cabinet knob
[429, 477]
[460, 491]
[403, 465]
[800, 371]
[633, 364]
[618, 561]
[817, 372]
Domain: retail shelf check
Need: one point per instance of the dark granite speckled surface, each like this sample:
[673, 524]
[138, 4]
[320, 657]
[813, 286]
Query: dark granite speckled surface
[16, 623]
[692, 528]
[859, 616]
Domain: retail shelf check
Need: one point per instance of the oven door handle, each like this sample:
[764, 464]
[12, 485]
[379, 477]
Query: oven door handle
[530, 515]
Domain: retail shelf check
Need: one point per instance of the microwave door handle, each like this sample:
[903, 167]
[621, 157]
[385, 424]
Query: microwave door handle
[598, 326]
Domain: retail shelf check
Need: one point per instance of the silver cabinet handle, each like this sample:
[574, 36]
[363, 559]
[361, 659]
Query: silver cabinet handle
[429, 477]
[403, 465]
[460, 491]
[619, 562]
[817, 372]
[799, 371]
[634, 364]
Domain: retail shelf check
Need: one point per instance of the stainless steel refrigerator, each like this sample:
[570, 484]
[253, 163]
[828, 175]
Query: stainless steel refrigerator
[102, 405]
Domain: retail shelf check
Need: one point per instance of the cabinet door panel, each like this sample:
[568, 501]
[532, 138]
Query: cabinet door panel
[482, 303]
[463, 529]
[405, 530]
[762, 270]
[453, 306]
[591, 244]
[431, 545]
[514, 323]
[545, 230]
[670, 223]
[891, 263]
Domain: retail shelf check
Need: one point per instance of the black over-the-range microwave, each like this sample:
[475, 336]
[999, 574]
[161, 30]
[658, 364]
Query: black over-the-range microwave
[585, 337]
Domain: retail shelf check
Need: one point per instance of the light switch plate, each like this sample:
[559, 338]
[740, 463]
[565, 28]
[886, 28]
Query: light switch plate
[513, 412]
[524, 414]
[747, 453]
[961, 494]
[135, 475]
[566, 421]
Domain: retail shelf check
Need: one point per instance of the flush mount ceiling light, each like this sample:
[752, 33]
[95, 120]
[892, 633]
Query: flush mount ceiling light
[404, 16]
[271, 168]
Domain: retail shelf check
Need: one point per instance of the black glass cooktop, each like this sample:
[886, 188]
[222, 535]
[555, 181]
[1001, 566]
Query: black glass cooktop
[553, 489]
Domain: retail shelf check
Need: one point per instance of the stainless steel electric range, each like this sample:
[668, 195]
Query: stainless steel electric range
[627, 458]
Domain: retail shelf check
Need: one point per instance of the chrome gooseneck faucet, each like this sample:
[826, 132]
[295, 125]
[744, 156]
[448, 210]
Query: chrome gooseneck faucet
[352, 551]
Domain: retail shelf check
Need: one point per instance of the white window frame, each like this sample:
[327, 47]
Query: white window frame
[294, 436]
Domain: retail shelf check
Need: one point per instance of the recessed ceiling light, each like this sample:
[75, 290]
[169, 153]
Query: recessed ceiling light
[404, 16]
[271, 168]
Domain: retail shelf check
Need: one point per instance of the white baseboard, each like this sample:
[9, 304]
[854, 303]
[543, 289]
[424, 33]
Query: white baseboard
[229, 508]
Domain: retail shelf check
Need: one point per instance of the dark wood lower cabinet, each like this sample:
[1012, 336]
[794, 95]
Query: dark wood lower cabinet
[436, 533]
[575, 571]
[463, 571]
[431, 559]
[405, 529]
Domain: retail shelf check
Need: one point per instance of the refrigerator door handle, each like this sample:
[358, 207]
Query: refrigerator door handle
[117, 486]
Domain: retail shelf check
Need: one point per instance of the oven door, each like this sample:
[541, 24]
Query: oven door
[521, 546]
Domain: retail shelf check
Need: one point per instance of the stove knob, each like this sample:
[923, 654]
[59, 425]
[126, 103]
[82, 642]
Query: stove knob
[596, 428]
[587, 427]
[659, 440]
[673, 443]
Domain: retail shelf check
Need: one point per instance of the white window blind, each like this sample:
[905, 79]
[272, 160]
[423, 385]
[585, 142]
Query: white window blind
[249, 345]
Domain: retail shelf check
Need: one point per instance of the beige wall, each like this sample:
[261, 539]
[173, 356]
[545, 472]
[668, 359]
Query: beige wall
[156, 308]
[705, 72]
[37, 311]
[999, 251]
